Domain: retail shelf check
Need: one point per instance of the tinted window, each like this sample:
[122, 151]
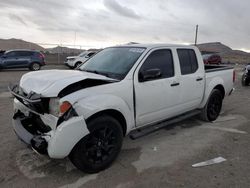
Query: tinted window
[188, 61]
[160, 59]
[11, 54]
[23, 53]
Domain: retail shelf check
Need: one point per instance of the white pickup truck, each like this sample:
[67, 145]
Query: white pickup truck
[130, 89]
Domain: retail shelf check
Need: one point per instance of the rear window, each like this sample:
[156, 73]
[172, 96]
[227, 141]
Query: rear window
[188, 61]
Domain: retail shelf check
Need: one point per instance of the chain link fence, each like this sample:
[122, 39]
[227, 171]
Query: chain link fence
[57, 53]
[54, 53]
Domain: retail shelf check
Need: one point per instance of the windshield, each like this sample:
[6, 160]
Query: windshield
[113, 62]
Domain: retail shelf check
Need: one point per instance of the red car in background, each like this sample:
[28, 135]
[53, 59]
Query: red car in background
[211, 59]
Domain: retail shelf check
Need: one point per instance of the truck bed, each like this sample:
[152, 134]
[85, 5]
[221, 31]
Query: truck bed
[220, 74]
[213, 68]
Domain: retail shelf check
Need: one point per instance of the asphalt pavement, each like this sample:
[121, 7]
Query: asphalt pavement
[161, 159]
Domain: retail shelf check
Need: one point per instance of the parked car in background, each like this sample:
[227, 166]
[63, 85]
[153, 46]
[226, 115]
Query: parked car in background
[246, 75]
[75, 61]
[31, 59]
[211, 59]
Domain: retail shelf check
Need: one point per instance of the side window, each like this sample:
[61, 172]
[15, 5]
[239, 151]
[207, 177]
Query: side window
[11, 54]
[24, 53]
[162, 60]
[90, 54]
[18, 54]
[188, 61]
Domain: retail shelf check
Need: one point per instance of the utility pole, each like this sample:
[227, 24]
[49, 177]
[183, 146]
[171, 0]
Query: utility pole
[196, 35]
[75, 40]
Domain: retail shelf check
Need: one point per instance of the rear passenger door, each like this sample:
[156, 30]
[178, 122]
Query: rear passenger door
[10, 59]
[191, 80]
[156, 99]
[23, 58]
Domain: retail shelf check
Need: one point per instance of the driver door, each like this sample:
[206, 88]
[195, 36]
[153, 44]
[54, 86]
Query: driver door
[156, 99]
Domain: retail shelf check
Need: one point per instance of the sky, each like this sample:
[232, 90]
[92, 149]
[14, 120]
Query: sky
[101, 23]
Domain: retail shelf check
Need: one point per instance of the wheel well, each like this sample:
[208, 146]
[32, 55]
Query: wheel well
[221, 89]
[34, 62]
[115, 114]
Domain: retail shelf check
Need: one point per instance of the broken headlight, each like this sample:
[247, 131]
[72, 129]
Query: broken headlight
[58, 108]
[54, 106]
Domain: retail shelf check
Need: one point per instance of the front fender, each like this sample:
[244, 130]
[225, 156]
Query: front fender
[97, 103]
[66, 136]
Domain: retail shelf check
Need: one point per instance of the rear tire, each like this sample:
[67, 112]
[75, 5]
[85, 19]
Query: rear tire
[98, 150]
[212, 109]
[35, 67]
[244, 80]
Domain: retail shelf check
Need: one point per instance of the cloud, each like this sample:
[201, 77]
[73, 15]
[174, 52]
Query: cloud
[17, 19]
[119, 9]
[114, 22]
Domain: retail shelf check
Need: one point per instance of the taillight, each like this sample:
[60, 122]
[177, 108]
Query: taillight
[41, 55]
[234, 76]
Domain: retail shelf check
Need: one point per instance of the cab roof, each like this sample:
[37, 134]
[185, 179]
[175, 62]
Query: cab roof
[155, 45]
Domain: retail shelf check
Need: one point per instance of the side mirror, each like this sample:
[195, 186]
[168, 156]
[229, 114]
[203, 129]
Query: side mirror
[149, 74]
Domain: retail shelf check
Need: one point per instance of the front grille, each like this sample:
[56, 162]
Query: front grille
[39, 107]
[38, 104]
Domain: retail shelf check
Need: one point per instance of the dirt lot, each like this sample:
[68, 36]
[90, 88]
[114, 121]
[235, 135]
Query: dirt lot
[162, 159]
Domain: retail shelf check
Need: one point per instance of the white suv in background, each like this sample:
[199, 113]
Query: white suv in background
[75, 61]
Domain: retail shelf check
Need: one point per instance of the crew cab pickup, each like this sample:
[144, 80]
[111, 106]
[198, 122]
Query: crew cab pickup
[85, 113]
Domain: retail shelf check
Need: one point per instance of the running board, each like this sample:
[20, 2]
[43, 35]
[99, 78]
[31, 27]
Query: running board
[152, 128]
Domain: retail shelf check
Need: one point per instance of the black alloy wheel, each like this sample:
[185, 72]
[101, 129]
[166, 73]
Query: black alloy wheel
[100, 144]
[214, 106]
[212, 109]
[98, 150]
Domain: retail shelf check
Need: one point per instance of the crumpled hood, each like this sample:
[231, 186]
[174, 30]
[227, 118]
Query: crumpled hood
[49, 83]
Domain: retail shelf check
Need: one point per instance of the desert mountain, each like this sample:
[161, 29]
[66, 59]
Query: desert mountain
[213, 47]
[227, 54]
[8, 44]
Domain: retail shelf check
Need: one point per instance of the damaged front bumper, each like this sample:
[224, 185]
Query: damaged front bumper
[43, 133]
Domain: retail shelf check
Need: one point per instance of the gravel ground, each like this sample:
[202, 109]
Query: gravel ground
[161, 159]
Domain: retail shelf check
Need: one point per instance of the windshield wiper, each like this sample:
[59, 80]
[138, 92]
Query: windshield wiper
[97, 72]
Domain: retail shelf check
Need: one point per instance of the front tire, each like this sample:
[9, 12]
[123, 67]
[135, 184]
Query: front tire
[212, 109]
[98, 150]
[77, 64]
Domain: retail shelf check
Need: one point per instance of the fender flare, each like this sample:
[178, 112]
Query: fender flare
[90, 106]
[215, 82]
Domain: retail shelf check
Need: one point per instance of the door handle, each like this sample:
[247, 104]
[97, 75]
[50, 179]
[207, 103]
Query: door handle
[199, 79]
[175, 84]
